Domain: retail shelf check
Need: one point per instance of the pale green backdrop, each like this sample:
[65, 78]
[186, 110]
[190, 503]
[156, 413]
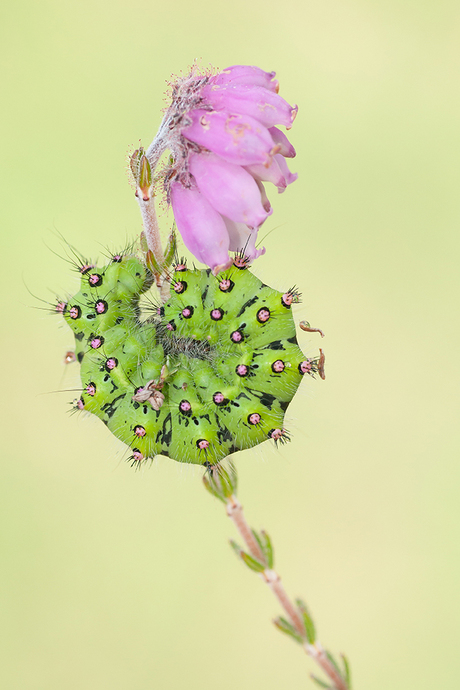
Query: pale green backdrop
[117, 580]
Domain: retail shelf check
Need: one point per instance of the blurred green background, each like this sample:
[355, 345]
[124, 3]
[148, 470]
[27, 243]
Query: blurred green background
[113, 579]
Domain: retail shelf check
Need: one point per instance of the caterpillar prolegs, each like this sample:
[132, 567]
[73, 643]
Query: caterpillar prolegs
[209, 373]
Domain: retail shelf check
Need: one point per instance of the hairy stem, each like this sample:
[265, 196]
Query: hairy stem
[272, 579]
[151, 227]
[143, 167]
[318, 653]
[158, 145]
[235, 513]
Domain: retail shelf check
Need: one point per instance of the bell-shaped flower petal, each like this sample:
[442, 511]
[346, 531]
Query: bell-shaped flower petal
[230, 189]
[201, 226]
[271, 173]
[290, 177]
[263, 195]
[287, 150]
[262, 104]
[243, 239]
[238, 75]
[224, 143]
[235, 138]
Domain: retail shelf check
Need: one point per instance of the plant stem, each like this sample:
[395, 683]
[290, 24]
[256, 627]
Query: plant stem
[273, 580]
[150, 223]
[145, 194]
[235, 513]
[318, 653]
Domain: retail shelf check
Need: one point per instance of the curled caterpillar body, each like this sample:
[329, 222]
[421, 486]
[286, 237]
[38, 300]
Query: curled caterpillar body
[210, 373]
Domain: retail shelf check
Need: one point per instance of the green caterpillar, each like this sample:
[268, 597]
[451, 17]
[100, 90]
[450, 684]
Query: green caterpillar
[209, 373]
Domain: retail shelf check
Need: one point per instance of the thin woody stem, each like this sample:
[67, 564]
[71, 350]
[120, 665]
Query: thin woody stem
[273, 580]
[143, 166]
[318, 653]
[145, 195]
[158, 147]
[152, 235]
[151, 227]
[235, 513]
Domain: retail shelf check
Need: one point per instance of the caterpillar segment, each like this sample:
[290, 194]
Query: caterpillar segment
[209, 373]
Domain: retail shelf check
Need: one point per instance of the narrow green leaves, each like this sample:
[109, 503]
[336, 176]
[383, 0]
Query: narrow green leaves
[171, 247]
[251, 562]
[212, 489]
[221, 482]
[320, 682]
[142, 174]
[265, 545]
[308, 621]
[334, 663]
[134, 163]
[150, 260]
[344, 675]
[236, 548]
[310, 633]
[154, 266]
[144, 245]
[144, 180]
[347, 673]
[287, 628]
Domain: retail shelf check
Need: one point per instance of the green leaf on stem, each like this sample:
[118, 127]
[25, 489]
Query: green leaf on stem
[236, 547]
[251, 562]
[144, 245]
[212, 489]
[334, 663]
[153, 264]
[170, 248]
[134, 162]
[320, 682]
[347, 674]
[258, 539]
[286, 627]
[229, 479]
[221, 482]
[144, 179]
[307, 620]
[267, 548]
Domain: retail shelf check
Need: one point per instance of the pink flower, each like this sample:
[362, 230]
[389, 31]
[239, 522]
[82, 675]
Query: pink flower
[224, 142]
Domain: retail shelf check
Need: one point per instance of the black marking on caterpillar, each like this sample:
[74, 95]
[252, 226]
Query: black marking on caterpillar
[223, 434]
[164, 436]
[275, 345]
[266, 399]
[200, 409]
[247, 304]
[204, 294]
[110, 408]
